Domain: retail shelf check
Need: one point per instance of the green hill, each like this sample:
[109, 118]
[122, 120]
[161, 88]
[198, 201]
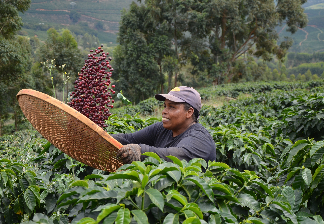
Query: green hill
[101, 18]
[311, 38]
[97, 17]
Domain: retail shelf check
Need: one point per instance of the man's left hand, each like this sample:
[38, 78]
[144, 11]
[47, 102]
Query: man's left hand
[129, 153]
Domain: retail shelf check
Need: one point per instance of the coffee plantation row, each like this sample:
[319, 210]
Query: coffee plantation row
[269, 168]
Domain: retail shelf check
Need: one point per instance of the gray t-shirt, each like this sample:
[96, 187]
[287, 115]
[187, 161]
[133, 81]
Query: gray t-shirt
[195, 142]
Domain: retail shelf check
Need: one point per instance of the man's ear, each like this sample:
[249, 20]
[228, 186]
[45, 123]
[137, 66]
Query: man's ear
[190, 112]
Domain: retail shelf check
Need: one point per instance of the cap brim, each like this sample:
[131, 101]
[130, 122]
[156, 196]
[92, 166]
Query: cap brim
[162, 97]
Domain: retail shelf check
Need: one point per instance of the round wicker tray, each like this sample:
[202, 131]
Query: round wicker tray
[70, 131]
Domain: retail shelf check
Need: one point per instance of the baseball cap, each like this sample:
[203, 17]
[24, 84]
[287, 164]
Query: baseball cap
[182, 94]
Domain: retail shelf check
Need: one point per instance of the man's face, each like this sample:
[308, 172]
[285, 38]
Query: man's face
[175, 117]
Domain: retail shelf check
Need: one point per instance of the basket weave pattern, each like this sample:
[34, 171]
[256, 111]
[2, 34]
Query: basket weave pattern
[70, 131]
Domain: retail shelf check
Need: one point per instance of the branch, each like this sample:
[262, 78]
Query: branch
[243, 52]
[243, 45]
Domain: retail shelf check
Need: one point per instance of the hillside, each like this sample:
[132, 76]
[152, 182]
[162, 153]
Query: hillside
[311, 38]
[98, 17]
[101, 18]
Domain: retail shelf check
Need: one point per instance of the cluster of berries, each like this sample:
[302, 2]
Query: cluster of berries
[92, 96]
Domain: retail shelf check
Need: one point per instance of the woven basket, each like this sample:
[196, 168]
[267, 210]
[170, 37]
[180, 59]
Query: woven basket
[70, 131]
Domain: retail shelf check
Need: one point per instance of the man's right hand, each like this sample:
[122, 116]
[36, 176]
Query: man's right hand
[129, 153]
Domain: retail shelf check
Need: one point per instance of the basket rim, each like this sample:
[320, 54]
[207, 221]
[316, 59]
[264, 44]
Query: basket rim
[71, 111]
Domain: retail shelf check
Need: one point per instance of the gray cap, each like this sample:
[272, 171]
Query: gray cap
[182, 94]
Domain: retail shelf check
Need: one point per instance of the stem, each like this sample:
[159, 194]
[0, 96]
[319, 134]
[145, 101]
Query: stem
[134, 204]
[143, 197]
[63, 88]
[52, 83]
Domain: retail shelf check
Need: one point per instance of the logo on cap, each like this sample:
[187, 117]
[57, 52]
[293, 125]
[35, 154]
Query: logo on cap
[177, 89]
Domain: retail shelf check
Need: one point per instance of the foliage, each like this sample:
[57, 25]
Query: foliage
[137, 60]
[10, 21]
[128, 123]
[269, 169]
[64, 49]
[33, 175]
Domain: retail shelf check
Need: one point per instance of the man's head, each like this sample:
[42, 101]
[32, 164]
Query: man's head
[181, 108]
[183, 94]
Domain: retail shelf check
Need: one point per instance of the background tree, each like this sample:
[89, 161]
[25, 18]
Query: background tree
[14, 54]
[138, 58]
[74, 16]
[276, 75]
[292, 78]
[64, 49]
[308, 75]
[249, 27]
[283, 77]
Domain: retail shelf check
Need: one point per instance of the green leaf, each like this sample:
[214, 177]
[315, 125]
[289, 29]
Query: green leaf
[145, 181]
[171, 219]
[30, 199]
[263, 185]
[214, 219]
[133, 175]
[255, 220]
[298, 146]
[194, 168]
[176, 160]
[154, 172]
[318, 176]
[318, 219]
[195, 208]
[106, 211]
[140, 217]
[249, 201]
[110, 219]
[156, 197]
[152, 154]
[222, 187]
[64, 196]
[218, 164]
[35, 189]
[307, 176]
[93, 176]
[269, 148]
[316, 147]
[80, 183]
[175, 175]
[318, 170]
[87, 220]
[30, 176]
[203, 186]
[10, 172]
[123, 216]
[198, 162]
[292, 173]
[282, 206]
[192, 220]
[289, 194]
[4, 176]
[177, 196]
[140, 166]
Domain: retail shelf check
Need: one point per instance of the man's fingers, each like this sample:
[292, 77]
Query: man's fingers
[123, 152]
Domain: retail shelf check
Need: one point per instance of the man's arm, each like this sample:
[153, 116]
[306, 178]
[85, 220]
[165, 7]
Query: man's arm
[195, 145]
[144, 136]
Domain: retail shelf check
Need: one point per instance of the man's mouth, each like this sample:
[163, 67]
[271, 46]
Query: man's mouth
[165, 119]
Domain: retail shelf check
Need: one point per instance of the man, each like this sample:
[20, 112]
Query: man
[179, 134]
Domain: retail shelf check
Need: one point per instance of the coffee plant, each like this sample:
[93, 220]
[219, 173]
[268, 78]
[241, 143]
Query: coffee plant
[92, 95]
[269, 168]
